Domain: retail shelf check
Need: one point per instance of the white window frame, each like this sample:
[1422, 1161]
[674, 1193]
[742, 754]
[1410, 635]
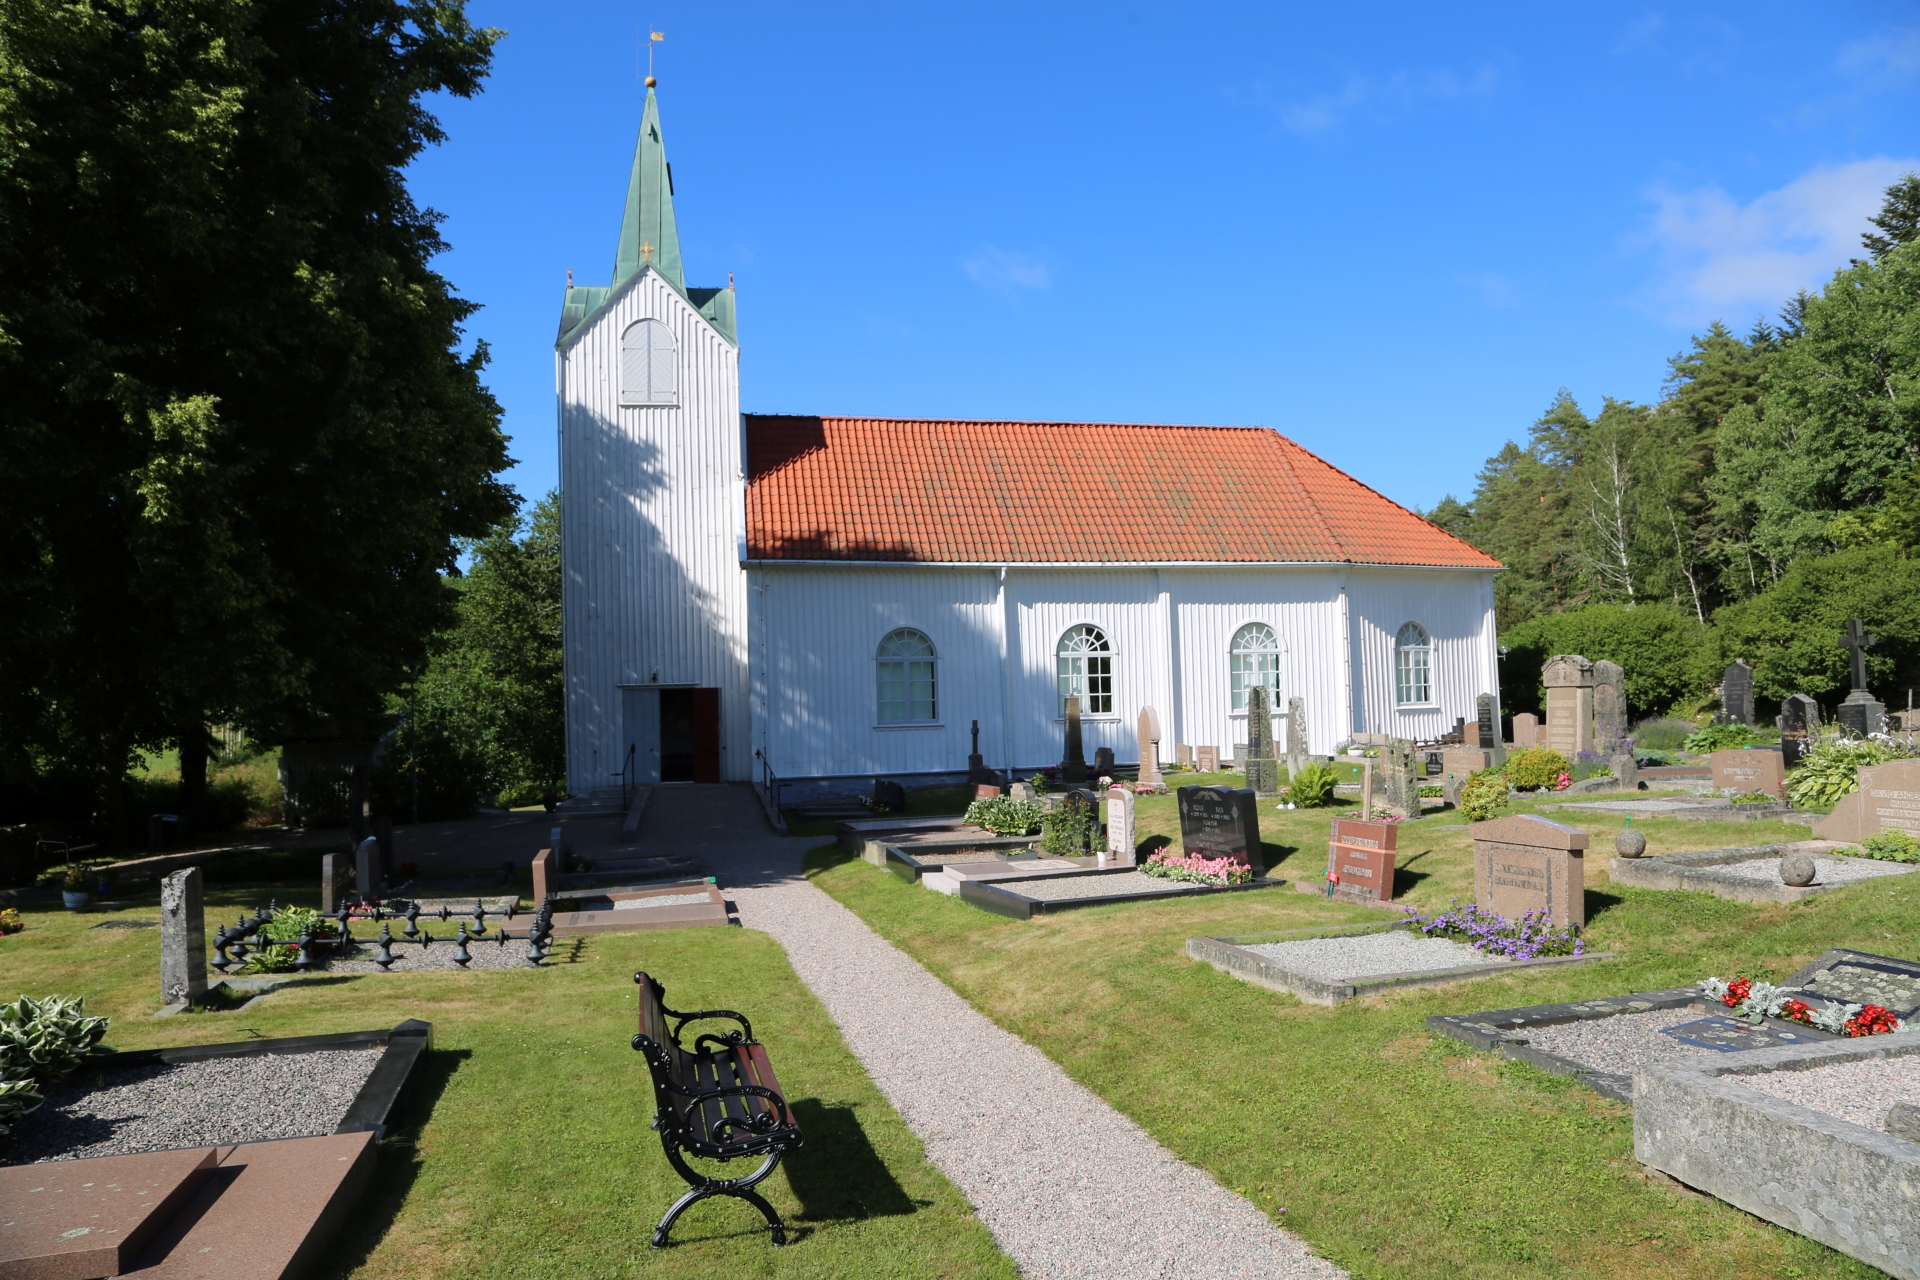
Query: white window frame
[1073, 669]
[649, 356]
[1236, 687]
[902, 665]
[1413, 667]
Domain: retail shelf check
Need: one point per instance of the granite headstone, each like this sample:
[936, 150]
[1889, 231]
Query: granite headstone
[1736, 693]
[1360, 858]
[1263, 771]
[1568, 678]
[1073, 761]
[1147, 731]
[183, 937]
[336, 880]
[1206, 759]
[1403, 769]
[1120, 840]
[1526, 729]
[1749, 771]
[1609, 705]
[1487, 723]
[1799, 721]
[1220, 822]
[1888, 799]
[1296, 736]
[1528, 863]
[1103, 762]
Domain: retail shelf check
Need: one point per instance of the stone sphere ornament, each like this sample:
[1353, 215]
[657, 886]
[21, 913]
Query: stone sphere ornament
[1629, 843]
[1797, 869]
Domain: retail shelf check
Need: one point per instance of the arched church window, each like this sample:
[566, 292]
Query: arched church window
[904, 667]
[1086, 670]
[1254, 661]
[1413, 665]
[649, 373]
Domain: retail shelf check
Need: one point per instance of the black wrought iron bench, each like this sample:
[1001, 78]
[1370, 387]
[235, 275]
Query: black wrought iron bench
[718, 1100]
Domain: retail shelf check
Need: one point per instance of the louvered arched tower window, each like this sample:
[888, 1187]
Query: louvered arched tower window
[649, 371]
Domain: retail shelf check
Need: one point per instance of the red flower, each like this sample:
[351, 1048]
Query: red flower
[1870, 1021]
[1797, 1011]
[1737, 991]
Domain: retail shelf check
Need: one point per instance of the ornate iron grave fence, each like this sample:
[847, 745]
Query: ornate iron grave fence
[235, 944]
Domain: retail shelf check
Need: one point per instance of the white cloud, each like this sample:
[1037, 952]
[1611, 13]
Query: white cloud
[1006, 272]
[1724, 260]
[1494, 289]
[1392, 93]
[1893, 54]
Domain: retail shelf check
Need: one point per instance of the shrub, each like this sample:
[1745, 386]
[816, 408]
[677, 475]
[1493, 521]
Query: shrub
[1312, 787]
[1590, 764]
[1718, 737]
[1664, 651]
[1005, 816]
[1070, 828]
[1830, 768]
[1662, 735]
[1891, 846]
[1532, 768]
[1484, 796]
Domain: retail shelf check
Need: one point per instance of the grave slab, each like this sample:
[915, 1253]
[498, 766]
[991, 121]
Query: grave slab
[1861, 977]
[627, 912]
[1005, 897]
[80, 1219]
[1713, 871]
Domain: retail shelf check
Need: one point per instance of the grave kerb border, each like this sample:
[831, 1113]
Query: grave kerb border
[910, 865]
[1694, 871]
[1230, 955]
[989, 895]
[1849, 1187]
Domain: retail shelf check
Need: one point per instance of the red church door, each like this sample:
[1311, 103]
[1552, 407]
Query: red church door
[706, 735]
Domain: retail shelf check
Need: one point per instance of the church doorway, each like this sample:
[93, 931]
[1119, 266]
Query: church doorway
[689, 735]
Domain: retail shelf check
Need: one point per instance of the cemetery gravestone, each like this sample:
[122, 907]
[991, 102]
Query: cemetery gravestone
[1220, 822]
[977, 771]
[1073, 762]
[1207, 759]
[1526, 729]
[336, 877]
[1748, 771]
[183, 937]
[1888, 800]
[890, 796]
[1528, 863]
[1296, 735]
[1103, 762]
[1183, 755]
[1487, 723]
[1736, 693]
[1861, 714]
[1263, 771]
[1120, 840]
[1148, 733]
[1360, 860]
[1626, 770]
[1465, 761]
[1405, 769]
[1799, 719]
[1023, 791]
[1568, 678]
[985, 791]
[1609, 705]
[366, 863]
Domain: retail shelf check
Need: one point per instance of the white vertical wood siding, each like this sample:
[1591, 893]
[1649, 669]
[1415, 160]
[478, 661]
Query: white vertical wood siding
[816, 628]
[650, 510]
[1453, 607]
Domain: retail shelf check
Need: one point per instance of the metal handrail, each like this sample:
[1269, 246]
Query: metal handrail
[629, 785]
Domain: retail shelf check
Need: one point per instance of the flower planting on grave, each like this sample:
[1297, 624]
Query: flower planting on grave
[1752, 797]
[1197, 870]
[41, 1041]
[1312, 787]
[1888, 846]
[1830, 768]
[1590, 764]
[1538, 769]
[1753, 1000]
[1718, 737]
[1530, 937]
[282, 934]
[10, 922]
[1484, 796]
[1006, 816]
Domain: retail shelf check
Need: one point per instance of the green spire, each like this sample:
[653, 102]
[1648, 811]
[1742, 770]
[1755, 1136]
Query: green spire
[648, 236]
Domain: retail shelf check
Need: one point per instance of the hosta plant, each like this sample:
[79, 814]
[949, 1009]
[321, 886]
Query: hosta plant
[1718, 737]
[1831, 768]
[45, 1039]
[17, 1098]
[1005, 816]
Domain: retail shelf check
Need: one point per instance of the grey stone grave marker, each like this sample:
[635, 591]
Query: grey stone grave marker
[1403, 769]
[1120, 838]
[1073, 761]
[1263, 771]
[1799, 720]
[1296, 736]
[1736, 693]
[1486, 723]
[1103, 762]
[1609, 706]
[336, 879]
[366, 867]
[183, 937]
[1147, 731]
[1568, 678]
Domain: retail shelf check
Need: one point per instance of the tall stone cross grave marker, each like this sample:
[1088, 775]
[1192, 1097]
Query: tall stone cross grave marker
[1861, 714]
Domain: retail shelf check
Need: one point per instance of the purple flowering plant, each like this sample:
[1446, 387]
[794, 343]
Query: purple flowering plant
[1528, 938]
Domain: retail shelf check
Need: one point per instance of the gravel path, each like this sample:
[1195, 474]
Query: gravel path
[1096, 887]
[1826, 870]
[1402, 951]
[191, 1104]
[1857, 1092]
[1068, 1186]
[1620, 1043]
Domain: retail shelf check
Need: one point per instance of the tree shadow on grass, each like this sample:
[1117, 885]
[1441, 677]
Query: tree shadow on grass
[397, 1168]
[837, 1175]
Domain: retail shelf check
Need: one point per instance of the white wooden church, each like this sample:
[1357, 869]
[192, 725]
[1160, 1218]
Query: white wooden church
[792, 599]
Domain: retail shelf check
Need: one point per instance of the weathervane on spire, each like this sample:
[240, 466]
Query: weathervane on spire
[653, 38]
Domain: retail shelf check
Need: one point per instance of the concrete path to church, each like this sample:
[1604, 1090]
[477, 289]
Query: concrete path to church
[1068, 1186]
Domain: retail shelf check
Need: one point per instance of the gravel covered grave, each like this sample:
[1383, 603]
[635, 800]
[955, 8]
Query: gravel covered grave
[191, 1104]
[1368, 954]
[664, 900]
[1859, 1092]
[1618, 1044]
[1068, 888]
[410, 957]
[1826, 870]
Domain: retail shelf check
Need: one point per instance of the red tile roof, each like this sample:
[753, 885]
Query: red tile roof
[1065, 492]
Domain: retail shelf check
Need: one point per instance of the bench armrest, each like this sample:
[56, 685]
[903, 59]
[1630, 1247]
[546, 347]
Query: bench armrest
[763, 1123]
[731, 1040]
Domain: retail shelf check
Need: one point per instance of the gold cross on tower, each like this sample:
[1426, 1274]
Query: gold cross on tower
[646, 251]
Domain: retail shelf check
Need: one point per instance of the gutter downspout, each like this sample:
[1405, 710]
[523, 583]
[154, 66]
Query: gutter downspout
[1006, 669]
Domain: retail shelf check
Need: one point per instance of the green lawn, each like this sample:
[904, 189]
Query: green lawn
[531, 1156]
[1394, 1152]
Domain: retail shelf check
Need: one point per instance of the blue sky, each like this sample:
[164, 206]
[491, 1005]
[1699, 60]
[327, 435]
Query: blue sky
[1392, 238]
